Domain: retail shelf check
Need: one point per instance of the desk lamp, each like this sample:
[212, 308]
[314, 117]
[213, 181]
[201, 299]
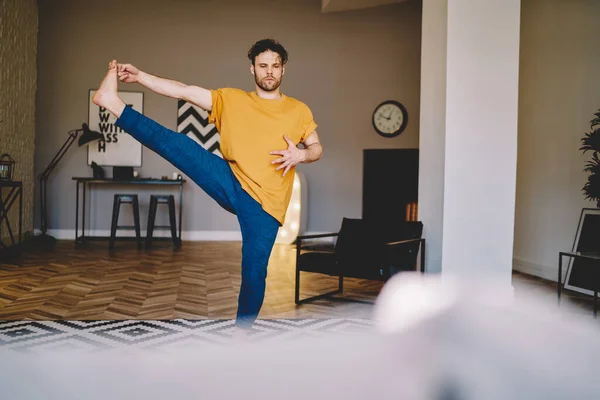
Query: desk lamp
[88, 136]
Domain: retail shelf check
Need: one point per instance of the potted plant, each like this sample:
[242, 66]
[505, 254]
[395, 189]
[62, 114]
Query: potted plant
[591, 142]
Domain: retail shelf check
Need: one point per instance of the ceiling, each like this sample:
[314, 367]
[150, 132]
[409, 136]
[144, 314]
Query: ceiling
[343, 5]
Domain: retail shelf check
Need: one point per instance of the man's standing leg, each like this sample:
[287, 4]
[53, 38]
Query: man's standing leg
[259, 231]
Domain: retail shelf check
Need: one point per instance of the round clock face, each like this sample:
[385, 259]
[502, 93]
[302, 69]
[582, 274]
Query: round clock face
[390, 118]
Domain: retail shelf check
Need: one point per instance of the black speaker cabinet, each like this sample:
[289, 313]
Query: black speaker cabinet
[390, 184]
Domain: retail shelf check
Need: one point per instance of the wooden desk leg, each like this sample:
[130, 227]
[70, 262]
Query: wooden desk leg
[77, 214]
[180, 209]
[83, 215]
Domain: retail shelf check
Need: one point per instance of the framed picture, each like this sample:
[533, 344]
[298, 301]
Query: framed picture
[581, 274]
[119, 149]
[193, 122]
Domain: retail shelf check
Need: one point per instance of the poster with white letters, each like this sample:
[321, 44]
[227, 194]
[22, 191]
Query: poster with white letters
[119, 148]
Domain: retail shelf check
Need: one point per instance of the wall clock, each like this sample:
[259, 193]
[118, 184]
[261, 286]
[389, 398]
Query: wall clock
[390, 118]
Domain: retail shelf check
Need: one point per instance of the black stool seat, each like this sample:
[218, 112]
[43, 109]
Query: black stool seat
[155, 200]
[114, 226]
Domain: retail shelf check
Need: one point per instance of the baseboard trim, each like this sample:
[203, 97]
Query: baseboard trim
[548, 272]
[204, 236]
[224, 236]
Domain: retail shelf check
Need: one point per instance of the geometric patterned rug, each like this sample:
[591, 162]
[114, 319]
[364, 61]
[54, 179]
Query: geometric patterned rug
[27, 337]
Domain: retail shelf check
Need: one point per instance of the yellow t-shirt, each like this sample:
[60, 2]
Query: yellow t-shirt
[250, 127]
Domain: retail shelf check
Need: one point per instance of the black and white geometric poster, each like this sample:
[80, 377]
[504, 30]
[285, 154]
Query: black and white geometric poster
[193, 122]
[118, 148]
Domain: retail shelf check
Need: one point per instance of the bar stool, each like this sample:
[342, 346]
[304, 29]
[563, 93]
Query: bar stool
[155, 200]
[125, 199]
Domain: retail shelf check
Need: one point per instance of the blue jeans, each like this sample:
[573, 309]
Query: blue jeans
[213, 174]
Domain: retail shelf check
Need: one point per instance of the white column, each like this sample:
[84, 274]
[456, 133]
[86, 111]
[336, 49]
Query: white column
[432, 128]
[478, 138]
[482, 95]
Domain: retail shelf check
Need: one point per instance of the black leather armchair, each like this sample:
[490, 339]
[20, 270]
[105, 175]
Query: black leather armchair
[362, 249]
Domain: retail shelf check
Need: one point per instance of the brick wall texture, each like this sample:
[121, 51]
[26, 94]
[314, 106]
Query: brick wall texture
[18, 79]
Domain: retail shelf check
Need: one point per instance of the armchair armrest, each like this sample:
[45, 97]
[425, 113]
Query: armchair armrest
[318, 235]
[405, 241]
[392, 247]
[301, 238]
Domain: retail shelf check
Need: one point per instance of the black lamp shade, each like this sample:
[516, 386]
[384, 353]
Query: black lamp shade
[89, 136]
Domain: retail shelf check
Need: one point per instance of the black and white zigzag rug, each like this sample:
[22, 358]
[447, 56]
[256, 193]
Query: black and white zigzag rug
[93, 336]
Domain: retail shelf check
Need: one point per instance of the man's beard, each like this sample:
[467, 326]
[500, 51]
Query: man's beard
[268, 86]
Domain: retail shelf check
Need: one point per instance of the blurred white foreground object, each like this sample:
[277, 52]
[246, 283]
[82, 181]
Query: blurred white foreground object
[437, 338]
[408, 299]
[479, 341]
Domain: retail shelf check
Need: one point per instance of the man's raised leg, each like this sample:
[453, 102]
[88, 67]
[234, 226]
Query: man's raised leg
[207, 170]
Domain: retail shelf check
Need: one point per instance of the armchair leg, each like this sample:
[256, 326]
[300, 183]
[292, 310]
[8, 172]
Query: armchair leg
[423, 256]
[297, 292]
[320, 296]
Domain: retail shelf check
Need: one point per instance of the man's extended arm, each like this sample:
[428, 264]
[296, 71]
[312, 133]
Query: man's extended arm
[166, 87]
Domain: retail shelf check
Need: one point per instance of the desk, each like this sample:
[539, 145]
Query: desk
[89, 182]
[16, 191]
[593, 256]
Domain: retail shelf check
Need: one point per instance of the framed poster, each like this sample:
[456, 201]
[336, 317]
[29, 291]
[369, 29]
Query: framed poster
[119, 149]
[581, 274]
[193, 122]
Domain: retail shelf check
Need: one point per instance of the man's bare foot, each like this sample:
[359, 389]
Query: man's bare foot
[106, 96]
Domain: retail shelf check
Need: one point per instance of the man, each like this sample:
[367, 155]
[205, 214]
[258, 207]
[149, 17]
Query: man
[252, 180]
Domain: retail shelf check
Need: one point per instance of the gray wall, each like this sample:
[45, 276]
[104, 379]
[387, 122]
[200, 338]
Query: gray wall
[341, 64]
[18, 50]
[559, 93]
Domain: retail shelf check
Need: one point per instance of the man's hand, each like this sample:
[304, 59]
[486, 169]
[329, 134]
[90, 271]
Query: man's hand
[127, 73]
[290, 157]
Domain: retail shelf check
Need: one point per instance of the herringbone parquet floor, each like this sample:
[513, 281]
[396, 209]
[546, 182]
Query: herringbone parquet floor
[201, 280]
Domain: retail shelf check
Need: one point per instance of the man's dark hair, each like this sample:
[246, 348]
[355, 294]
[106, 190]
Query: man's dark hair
[267, 44]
